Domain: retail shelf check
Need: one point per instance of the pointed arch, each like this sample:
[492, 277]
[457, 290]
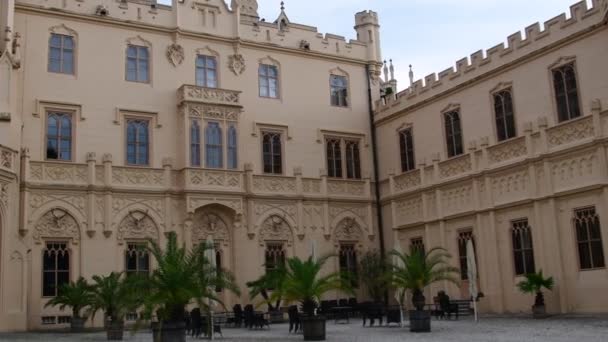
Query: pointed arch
[57, 223]
[137, 225]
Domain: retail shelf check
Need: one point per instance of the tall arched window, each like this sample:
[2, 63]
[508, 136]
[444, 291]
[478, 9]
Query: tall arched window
[213, 145]
[566, 92]
[195, 144]
[272, 152]
[353, 160]
[232, 147]
[406, 146]
[334, 158]
[505, 119]
[453, 133]
[61, 54]
[138, 142]
[59, 136]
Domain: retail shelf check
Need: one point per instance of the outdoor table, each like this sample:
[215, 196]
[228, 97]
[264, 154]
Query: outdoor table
[341, 313]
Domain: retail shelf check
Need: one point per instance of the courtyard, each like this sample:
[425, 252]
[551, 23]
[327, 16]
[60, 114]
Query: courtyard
[495, 329]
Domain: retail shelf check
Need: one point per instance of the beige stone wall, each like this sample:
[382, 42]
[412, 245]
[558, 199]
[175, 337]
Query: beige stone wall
[544, 174]
[98, 204]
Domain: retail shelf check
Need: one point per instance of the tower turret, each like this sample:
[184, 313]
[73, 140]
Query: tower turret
[249, 9]
[368, 31]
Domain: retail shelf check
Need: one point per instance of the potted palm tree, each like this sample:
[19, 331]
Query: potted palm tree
[534, 284]
[181, 277]
[416, 271]
[303, 283]
[372, 274]
[116, 295]
[266, 284]
[76, 296]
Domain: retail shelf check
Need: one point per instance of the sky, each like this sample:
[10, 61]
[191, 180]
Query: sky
[431, 35]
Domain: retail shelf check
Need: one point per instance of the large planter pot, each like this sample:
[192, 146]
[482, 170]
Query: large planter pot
[539, 311]
[155, 326]
[420, 321]
[276, 316]
[77, 324]
[173, 332]
[313, 328]
[115, 330]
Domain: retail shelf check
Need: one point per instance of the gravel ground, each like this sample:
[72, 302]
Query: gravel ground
[562, 329]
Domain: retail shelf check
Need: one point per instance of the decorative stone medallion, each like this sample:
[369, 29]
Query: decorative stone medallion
[236, 63]
[175, 54]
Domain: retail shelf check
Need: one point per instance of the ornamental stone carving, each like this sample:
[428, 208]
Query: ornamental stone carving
[120, 203]
[56, 224]
[137, 225]
[348, 230]
[454, 167]
[274, 184]
[507, 151]
[570, 132]
[175, 54]
[457, 199]
[357, 210]
[209, 224]
[6, 159]
[208, 95]
[4, 194]
[197, 110]
[407, 181]
[511, 186]
[409, 211]
[76, 201]
[286, 208]
[236, 63]
[275, 228]
[346, 188]
[235, 204]
[311, 186]
[134, 176]
[313, 216]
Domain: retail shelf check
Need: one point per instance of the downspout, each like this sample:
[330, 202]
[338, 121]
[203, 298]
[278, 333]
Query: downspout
[375, 163]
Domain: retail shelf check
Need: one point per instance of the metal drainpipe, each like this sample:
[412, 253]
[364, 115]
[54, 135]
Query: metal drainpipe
[375, 163]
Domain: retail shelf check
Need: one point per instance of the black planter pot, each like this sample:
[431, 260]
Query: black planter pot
[539, 311]
[77, 324]
[115, 330]
[420, 321]
[169, 331]
[313, 328]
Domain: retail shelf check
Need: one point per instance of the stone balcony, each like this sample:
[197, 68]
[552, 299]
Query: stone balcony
[209, 96]
[107, 176]
[8, 159]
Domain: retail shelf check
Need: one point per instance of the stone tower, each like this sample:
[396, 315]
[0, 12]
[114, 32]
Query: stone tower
[368, 31]
[249, 9]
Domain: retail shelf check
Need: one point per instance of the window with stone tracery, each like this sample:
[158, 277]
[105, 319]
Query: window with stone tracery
[463, 238]
[55, 267]
[589, 239]
[343, 154]
[138, 64]
[214, 146]
[453, 133]
[272, 152]
[137, 259]
[417, 245]
[523, 251]
[138, 141]
[59, 136]
[566, 92]
[339, 90]
[504, 116]
[406, 146]
[274, 256]
[348, 262]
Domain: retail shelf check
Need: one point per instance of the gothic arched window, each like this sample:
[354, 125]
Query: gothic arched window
[213, 146]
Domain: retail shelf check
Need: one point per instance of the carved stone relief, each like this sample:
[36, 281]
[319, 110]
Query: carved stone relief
[133, 176]
[348, 230]
[198, 110]
[274, 184]
[457, 199]
[56, 224]
[100, 207]
[137, 225]
[357, 210]
[6, 159]
[570, 132]
[507, 151]
[346, 188]
[235, 204]
[175, 54]
[4, 194]
[120, 203]
[311, 186]
[507, 186]
[409, 211]
[77, 201]
[275, 228]
[236, 63]
[407, 181]
[209, 224]
[287, 208]
[574, 171]
[455, 167]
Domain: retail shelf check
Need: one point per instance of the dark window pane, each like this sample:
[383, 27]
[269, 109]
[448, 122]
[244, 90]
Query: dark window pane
[48, 284]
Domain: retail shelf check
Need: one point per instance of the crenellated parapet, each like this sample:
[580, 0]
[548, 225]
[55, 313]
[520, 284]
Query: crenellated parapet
[236, 24]
[581, 18]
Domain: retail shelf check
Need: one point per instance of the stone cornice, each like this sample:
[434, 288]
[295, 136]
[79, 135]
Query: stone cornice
[186, 33]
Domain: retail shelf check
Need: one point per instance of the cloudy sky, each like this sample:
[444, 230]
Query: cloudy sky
[429, 34]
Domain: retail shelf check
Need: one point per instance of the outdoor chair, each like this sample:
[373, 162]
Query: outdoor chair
[294, 319]
[237, 319]
[217, 329]
[373, 312]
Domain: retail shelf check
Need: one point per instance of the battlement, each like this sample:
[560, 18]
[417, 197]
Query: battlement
[479, 63]
[366, 18]
[215, 18]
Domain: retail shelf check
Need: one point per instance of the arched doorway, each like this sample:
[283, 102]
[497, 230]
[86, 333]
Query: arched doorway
[216, 221]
